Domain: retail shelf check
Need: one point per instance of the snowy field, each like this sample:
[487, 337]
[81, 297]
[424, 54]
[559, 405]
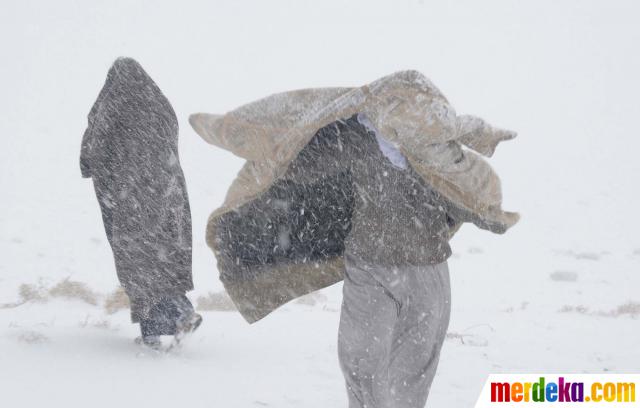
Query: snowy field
[559, 292]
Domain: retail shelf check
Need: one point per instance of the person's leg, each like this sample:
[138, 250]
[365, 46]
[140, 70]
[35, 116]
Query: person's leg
[425, 304]
[367, 320]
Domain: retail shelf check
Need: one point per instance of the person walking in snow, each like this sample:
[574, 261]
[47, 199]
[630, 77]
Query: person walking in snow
[130, 151]
[366, 185]
[396, 294]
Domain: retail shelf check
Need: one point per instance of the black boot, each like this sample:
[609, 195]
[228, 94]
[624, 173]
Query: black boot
[170, 316]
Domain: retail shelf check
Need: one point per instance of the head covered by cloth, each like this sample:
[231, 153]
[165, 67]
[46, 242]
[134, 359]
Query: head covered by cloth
[129, 105]
[130, 150]
[444, 148]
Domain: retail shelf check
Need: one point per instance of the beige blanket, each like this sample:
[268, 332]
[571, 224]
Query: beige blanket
[444, 148]
[405, 106]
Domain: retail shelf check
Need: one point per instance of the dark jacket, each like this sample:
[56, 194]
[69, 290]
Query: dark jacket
[397, 219]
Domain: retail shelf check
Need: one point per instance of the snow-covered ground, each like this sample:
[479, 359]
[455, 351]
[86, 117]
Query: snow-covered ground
[557, 293]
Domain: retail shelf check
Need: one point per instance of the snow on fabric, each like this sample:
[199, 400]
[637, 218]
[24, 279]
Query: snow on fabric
[130, 150]
[406, 108]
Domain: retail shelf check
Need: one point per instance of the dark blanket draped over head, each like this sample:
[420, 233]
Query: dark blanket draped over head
[130, 150]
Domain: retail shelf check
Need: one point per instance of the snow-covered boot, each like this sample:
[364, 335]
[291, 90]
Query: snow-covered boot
[172, 316]
[186, 325]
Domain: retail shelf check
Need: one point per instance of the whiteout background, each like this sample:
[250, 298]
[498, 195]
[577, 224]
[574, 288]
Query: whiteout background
[563, 74]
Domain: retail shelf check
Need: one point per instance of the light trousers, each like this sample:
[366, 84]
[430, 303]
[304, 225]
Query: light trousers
[392, 327]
